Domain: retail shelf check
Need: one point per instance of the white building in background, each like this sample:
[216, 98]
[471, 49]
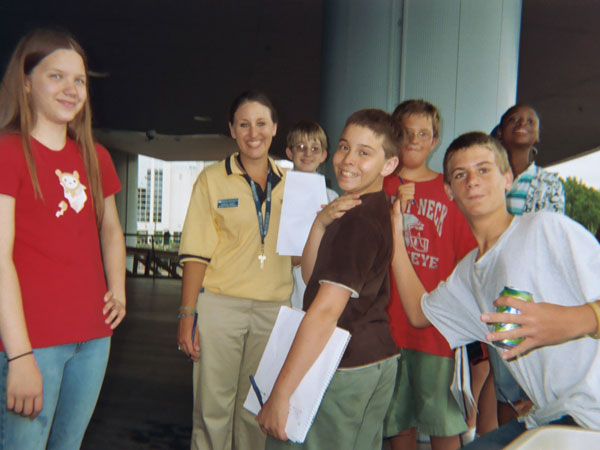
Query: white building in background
[163, 193]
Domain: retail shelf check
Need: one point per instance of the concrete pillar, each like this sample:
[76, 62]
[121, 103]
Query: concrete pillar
[360, 62]
[127, 169]
[462, 55]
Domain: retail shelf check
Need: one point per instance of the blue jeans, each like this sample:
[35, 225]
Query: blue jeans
[507, 388]
[72, 376]
[501, 437]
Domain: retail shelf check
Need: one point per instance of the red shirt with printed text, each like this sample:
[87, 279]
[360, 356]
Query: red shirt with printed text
[437, 236]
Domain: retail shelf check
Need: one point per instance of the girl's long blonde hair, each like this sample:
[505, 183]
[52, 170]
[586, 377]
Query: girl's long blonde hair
[17, 115]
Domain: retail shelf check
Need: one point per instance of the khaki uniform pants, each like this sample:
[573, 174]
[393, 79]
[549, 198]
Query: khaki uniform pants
[233, 333]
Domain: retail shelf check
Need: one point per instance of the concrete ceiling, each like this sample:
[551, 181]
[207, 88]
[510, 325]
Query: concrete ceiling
[174, 67]
[168, 147]
[559, 74]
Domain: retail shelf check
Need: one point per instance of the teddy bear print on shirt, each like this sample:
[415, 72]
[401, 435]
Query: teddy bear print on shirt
[74, 192]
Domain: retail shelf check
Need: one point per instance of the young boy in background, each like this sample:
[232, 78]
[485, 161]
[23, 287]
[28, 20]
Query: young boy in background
[437, 236]
[545, 254]
[346, 260]
[307, 149]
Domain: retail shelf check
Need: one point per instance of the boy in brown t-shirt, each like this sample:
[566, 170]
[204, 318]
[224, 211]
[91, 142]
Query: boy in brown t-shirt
[346, 260]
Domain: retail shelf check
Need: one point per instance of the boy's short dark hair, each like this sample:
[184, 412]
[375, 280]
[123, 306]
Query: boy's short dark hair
[476, 138]
[419, 106]
[382, 125]
[309, 129]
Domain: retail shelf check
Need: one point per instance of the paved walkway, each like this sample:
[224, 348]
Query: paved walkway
[146, 399]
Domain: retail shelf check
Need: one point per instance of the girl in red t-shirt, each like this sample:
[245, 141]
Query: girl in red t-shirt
[60, 237]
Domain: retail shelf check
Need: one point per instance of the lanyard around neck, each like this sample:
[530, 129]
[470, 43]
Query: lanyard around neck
[263, 223]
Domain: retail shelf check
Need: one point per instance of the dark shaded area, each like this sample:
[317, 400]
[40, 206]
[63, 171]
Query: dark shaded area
[559, 74]
[146, 398]
[171, 61]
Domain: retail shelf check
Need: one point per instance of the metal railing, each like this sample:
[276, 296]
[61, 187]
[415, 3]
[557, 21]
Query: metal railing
[153, 256]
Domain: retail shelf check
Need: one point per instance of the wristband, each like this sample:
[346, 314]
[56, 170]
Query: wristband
[596, 309]
[182, 315]
[188, 308]
[30, 352]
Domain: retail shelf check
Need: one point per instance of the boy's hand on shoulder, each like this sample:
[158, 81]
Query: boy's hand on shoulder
[406, 194]
[273, 416]
[337, 209]
[334, 210]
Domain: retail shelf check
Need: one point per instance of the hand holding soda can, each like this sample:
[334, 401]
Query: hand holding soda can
[497, 326]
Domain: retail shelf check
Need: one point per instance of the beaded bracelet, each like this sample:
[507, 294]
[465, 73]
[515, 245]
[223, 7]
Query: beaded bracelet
[30, 352]
[596, 309]
[182, 315]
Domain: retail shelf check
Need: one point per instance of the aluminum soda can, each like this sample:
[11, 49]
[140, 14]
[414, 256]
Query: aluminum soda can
[521, 295]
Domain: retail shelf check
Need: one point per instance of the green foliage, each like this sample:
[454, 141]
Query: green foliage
[583, 203]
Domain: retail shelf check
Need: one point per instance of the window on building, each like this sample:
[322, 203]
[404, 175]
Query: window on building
[143, 205]
[158, 188]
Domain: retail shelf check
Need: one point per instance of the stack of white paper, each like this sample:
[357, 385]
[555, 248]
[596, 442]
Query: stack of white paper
[306, 399]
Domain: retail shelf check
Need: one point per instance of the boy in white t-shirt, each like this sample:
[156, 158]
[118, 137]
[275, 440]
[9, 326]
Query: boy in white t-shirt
[307, 149]
[545, 254]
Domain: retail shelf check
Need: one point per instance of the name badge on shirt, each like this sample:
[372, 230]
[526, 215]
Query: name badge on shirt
[228, 203]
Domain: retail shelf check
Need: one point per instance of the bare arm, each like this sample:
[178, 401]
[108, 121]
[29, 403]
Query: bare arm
[311, 248]
[406, 194]
[541, 324]
[24, 380]
[113, 255]
[409, 286]
[312, 336]
[193, 277]
[334, 210]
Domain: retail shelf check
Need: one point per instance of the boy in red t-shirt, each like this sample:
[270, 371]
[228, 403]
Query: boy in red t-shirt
[437, 236]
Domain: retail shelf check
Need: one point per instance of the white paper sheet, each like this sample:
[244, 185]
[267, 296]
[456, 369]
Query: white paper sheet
[303, 195]
[306, 399]
[461, 383]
